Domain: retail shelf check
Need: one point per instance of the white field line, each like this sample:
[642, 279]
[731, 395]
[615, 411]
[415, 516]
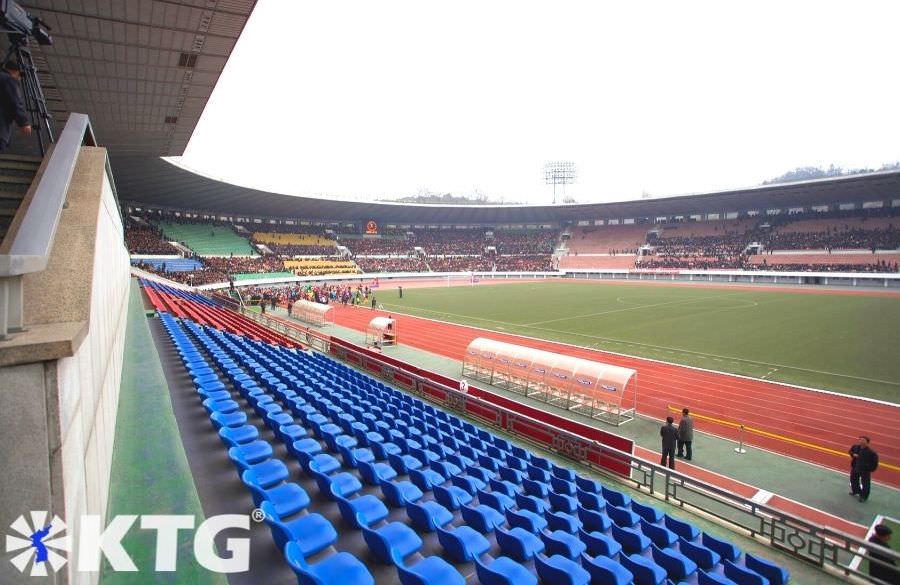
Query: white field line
[659, 361]
[634, 308]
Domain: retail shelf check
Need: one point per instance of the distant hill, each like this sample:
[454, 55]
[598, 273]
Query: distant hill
[808, 173]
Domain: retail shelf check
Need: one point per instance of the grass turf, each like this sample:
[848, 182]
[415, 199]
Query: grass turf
[835, 342]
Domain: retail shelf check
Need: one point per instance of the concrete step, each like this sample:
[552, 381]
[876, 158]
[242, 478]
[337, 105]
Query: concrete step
[15, 179]
[12, 195]
[20, 158]
[8, 211]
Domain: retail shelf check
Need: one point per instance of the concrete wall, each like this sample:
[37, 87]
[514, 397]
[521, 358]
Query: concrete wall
[57, 416]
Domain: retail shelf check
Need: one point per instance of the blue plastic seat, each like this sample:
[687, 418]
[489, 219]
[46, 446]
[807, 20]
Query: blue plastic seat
[374, 473]
[288, 498]
[352, 456]
[605, 571]
[290, 432]
[590, 500]
[562, 486]
[622, 517]
[518, 543]
[685, 530]
[562, 521]
[224, 406]
[400, 493]
[677, 565]
[616, 498]
[503, 571]
[342, 568]
[451, 497]
[563, 503]
[645, 571]
[599, 544]
[562, 543]
[660, 536]
[428, 515]
[403, 463]
[463, 544]
[588, 485]
[743, 575]
[430, 571]
[776, 574]
[482, 518]
[594, 521]
[445, 468]
[506, 488]
[563, 473]
[526, 519]
[362, 511]
[392, 542]
[309, 446]
[470, 484]
[705, 558]
[425, 479]
[311, 532]
[231, 419]
[713, 578]
[341, 484]
[559, 570]
[530, 503]
[511, 475]
[321, 463]
[538, 473]
[233, 436]
[269, 473]
[649, 513]
[632, 541]
[725, 549]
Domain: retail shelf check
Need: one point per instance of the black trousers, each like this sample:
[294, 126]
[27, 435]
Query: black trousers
[681, 447]
[670, 454]
[860, 483]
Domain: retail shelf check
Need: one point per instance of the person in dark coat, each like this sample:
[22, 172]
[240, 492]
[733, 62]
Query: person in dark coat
[12, 106]
[863, 461]
[669, 436]
[887, 572]
[400, 288]
[685, 434]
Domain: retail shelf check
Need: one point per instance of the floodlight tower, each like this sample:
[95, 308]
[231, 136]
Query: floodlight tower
[561, 172]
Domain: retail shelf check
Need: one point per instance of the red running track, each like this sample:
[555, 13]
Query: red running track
[827, 420]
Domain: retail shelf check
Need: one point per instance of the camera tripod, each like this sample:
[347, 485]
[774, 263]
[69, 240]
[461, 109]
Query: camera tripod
[35, 103]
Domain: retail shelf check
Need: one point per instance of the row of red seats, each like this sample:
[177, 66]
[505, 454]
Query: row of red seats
[218, 317]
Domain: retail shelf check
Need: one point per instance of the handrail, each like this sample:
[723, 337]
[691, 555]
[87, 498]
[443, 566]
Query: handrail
[33, 236]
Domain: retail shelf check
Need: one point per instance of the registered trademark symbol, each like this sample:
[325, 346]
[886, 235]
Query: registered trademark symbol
[258, 515]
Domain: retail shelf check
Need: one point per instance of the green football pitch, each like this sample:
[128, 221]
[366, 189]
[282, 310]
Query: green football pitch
[847, 343]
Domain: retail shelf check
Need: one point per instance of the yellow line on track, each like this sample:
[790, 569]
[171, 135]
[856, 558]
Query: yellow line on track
[776, 436]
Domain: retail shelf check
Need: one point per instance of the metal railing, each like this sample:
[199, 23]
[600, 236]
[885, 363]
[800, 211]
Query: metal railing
[829, 549]
[34, 227]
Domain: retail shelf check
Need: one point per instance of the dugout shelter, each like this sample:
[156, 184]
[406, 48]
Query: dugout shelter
[381, 332]
[595, 389]
[313, 313]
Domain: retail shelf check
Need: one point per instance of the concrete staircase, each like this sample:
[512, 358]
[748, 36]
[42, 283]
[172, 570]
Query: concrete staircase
[16, 175]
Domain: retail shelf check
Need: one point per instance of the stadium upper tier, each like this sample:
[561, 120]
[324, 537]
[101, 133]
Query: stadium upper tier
[207, 239]
[154, 182]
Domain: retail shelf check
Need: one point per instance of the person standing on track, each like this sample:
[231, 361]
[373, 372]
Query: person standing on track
[669, 435]
[685, 434]
[863, 461]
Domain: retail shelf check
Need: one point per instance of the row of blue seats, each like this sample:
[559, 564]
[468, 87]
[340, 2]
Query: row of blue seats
[537, 497]
[171, 264]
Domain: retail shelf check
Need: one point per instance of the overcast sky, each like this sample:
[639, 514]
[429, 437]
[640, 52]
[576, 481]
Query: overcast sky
[362, 99]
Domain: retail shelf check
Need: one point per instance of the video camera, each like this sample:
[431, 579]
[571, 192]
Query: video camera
[17, 21]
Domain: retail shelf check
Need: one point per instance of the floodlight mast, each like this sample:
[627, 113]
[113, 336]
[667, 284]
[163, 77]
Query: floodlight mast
[561, 172]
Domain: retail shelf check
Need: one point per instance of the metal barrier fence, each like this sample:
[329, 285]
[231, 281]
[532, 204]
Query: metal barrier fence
[826, 548]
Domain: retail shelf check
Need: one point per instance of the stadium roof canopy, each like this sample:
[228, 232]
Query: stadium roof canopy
[158, 183]
[142, 70]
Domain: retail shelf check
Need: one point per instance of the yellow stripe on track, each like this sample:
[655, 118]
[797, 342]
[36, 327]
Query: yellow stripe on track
[776, 436]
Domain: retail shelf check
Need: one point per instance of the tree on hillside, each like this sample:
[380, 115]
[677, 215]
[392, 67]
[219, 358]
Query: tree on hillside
[808, 173]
